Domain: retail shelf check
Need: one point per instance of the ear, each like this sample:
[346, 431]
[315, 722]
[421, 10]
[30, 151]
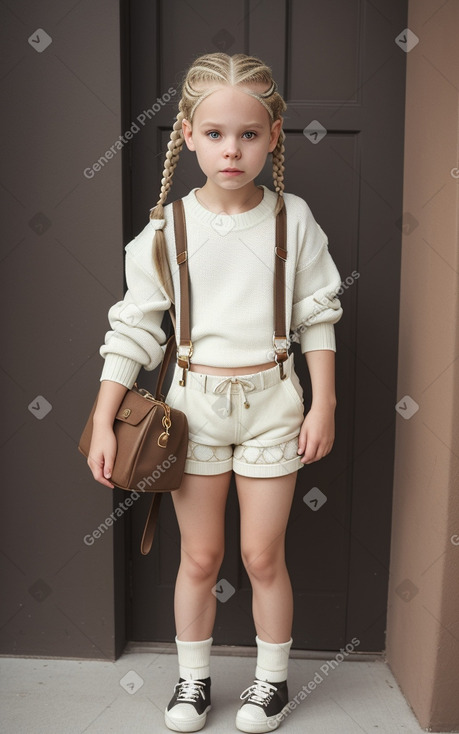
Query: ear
[188, 134]
[275, 132]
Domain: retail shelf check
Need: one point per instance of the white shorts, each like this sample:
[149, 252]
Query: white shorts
[247, 423]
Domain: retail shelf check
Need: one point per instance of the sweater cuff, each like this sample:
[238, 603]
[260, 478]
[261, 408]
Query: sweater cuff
[318, 336]
[120, 369]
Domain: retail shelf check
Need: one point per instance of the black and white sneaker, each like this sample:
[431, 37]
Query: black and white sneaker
[188, 707]
[262, 711]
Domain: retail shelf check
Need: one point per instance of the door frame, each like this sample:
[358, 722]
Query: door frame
[363, 573]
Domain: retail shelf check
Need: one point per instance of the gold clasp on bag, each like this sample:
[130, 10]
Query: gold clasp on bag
[166, 421]
[162, 440]
[145, 394]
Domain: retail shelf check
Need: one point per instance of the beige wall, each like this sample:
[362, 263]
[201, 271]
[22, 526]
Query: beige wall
[423, 624]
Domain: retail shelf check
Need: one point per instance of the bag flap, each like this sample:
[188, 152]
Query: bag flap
[135, 408]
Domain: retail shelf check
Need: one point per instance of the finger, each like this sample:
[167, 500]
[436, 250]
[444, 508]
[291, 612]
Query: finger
[302, 440]
[97, 467]
[106, 482]
[310, 453]
[320, 452]
[109, 461]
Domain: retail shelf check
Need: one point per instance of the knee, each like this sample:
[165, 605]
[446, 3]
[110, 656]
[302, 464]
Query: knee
[263, 566]
[202, 565]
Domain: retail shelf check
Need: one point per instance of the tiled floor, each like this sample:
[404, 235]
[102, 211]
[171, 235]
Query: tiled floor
[42, 696]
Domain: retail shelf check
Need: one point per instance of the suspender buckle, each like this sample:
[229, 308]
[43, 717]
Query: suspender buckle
[280, 345]
[184, 352]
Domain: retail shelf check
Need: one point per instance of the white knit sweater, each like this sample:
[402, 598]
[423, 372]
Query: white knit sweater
[231, 272]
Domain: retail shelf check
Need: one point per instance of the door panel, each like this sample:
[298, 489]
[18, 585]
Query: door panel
[336, 62]
[327, 36]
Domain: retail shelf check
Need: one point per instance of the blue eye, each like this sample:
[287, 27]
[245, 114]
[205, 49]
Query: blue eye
[252, 135]
[213, 135]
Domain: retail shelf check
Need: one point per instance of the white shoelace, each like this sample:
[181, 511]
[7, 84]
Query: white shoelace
[226, 384]
[190, 690]
[259, 692]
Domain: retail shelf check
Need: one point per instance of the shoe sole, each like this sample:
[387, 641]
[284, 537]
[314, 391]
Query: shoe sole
[250, 726]
[186, 725]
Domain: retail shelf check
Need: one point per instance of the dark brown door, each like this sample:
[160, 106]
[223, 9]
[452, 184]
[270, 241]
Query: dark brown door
[342, 74]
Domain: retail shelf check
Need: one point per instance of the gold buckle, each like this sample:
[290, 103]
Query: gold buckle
[283, 344]
[181, 358]
[280, 353]
[145, 394]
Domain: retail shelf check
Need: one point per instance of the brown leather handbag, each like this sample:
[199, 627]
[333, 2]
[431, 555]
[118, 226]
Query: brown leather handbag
[152, 441]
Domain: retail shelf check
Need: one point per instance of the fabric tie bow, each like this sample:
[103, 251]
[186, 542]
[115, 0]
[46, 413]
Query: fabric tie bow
[226, 384]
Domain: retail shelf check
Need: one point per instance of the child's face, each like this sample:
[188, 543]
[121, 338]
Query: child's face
[231, 134]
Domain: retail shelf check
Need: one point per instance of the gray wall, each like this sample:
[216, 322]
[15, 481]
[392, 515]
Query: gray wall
[62, 267]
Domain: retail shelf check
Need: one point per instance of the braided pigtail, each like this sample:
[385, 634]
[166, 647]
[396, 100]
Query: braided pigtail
[160, 259]
[278, 170]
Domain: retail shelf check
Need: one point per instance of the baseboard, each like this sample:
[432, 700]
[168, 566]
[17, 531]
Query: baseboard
[242, 651]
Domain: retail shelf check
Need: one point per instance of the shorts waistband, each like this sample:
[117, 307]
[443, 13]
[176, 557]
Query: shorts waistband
[260, 380]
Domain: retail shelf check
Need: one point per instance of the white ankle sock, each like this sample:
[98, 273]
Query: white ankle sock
[194, 658]
[272, 660]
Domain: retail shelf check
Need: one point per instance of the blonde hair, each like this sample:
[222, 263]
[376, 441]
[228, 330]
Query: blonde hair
[216, 69]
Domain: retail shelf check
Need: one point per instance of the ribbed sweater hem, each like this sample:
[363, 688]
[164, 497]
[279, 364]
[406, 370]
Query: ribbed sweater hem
[120, 369]
[318, 336]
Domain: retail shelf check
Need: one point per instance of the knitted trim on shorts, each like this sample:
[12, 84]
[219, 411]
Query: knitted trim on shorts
[251, 461]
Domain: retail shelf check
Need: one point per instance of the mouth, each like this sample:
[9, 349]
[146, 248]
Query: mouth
[231, 170]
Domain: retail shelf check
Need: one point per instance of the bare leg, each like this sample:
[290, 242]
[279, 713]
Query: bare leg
[200, 508]
[265, 507]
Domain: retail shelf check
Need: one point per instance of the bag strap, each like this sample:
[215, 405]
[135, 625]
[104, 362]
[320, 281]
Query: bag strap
[150, 525]
[184, 361]
[164, 365]
[152, 518]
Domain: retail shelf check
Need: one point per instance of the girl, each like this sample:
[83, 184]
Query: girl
[243, 415]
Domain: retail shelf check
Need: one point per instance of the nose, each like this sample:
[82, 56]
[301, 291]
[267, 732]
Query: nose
[232, 149]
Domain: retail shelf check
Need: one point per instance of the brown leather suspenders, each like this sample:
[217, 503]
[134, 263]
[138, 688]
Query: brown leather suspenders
[185, 346]
[280, 337]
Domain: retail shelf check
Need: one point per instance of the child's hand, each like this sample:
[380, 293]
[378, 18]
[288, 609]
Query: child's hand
[317, 434]
[102, 454]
